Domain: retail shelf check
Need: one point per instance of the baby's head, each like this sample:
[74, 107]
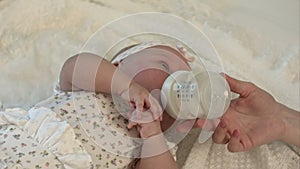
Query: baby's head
[151, 66]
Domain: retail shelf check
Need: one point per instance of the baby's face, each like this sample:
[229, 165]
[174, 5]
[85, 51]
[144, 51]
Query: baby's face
[150, 67]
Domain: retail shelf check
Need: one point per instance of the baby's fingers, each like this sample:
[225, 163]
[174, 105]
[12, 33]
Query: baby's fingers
[155, 108]
[141, 117]
[131, 124]
[154, 105]
[139, 104]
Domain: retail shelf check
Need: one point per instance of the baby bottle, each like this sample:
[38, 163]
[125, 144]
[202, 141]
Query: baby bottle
[191, 95]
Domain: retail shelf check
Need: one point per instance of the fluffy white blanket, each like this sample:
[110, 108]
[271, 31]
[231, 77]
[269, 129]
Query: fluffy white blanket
[254, 41]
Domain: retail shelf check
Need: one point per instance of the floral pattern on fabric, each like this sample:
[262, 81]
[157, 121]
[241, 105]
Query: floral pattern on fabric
[98, 126]
[24, 152]
[37, 138]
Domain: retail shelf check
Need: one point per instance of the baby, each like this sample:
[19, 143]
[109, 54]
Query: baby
[136, 73]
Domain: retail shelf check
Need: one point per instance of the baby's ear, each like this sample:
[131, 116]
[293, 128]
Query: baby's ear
[185, 53]
[189, 58]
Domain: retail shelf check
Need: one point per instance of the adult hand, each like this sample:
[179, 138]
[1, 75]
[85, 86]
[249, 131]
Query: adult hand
[251, 120]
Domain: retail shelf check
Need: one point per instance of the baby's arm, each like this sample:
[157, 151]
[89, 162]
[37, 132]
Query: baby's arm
[164, 160]
[155, 152]
[90, 72]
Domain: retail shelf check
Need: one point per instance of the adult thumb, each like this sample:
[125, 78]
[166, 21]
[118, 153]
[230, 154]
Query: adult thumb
[241, 87]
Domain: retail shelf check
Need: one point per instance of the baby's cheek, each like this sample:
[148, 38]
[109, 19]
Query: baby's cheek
[151, 79]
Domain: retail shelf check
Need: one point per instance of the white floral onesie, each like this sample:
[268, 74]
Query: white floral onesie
[98, 126]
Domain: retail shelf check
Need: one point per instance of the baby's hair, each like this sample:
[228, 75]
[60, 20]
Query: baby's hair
[123, 50]
[180, 49]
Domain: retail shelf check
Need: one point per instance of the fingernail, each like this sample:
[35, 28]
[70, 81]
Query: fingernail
[223, 124]
[235, 133]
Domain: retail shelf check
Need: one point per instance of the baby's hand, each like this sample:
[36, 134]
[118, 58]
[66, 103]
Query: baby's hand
[141, 100]
[150, 129]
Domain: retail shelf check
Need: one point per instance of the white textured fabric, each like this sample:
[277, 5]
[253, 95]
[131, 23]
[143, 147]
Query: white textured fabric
[214, 156]
[32, 40]
[38, 138]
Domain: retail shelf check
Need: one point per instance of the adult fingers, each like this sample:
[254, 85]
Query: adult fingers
[221, 134]
[235, 144]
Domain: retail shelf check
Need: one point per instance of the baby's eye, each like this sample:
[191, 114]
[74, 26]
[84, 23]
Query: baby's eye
[165, 66]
